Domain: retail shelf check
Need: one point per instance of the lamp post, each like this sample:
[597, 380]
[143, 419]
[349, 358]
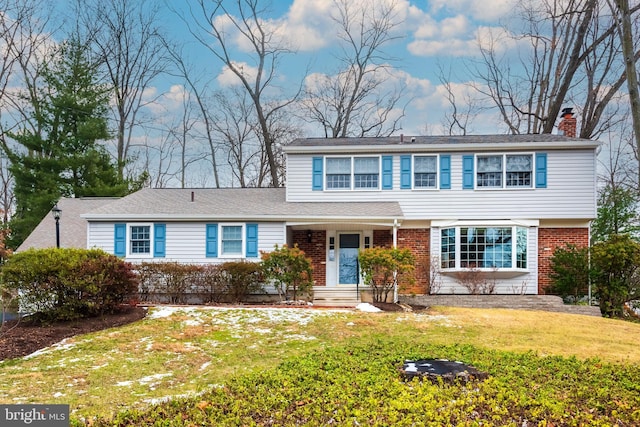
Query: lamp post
[57, 213]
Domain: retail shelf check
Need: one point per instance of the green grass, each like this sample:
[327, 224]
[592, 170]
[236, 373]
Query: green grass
[203, 355]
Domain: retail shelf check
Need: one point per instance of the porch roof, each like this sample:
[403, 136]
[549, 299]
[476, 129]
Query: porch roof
[236, 204]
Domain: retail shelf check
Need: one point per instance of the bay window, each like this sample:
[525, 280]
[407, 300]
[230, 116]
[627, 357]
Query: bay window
[484, 247]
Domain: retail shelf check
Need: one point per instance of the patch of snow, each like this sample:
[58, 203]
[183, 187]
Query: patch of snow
[366, 307]
[151, 378]
[62, 345]
[205, 366]
[58, 394]
[124, 384]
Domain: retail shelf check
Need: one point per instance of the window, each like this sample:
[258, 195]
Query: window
[365, 172]
[231, 242]
[339, 173]
[510, 171]
[484, 247]
[345, 173]
[519, 169]
[425, 171]
[140, 241]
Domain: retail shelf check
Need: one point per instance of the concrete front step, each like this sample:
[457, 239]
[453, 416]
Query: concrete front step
[521, 302]
[342, 296]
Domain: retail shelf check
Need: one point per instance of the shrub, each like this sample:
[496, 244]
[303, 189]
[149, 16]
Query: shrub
[167, 278]
[616, 273]
[240, 279]
[66, 284]
[289, 270]
[383, 269]
[570, 273]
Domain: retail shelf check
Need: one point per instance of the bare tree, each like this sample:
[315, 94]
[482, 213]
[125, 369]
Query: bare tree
[245, 18]
[622, 17]
[355, 101]
[126, 36]
[571, 56]
[198, 88]
[458, 120]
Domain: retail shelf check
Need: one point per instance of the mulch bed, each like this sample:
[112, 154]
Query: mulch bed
[25, 338]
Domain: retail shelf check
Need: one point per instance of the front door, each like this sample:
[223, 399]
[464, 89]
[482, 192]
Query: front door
[348, 268]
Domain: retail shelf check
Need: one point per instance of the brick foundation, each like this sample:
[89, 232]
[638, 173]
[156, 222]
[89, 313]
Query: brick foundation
[316, 249]
[548, 240]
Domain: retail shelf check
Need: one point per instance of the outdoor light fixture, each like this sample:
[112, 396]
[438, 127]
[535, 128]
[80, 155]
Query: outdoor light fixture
[57, 213]
[309, 236]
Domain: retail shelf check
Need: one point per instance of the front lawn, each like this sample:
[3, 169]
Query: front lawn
[207, 355]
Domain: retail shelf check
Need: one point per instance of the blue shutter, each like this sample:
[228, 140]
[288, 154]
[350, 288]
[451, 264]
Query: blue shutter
[387, 172]
[445, 172]
[212, 241]
[159, 240]
[317, 173]
[120, 240]
[467, 172]
[405, 172]
[541, 170]
[252, 240]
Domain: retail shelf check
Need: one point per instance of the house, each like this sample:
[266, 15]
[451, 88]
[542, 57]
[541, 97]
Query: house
[485, 207]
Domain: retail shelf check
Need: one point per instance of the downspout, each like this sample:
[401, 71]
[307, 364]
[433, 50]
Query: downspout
[395, 273]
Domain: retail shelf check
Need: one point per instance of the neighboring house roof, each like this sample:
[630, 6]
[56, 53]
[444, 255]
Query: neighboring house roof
[73, 228]
[247, 204]
[448, 143]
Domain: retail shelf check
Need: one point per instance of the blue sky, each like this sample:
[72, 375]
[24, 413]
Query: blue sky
[433, 34]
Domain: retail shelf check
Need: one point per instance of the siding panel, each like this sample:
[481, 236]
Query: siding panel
[570, 192]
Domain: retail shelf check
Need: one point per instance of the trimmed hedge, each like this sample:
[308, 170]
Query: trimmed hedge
[67, 284]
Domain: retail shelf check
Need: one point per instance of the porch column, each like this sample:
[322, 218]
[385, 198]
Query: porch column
[395, 273]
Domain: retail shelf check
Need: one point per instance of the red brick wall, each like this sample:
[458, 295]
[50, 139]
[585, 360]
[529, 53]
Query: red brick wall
[382, 238]
[316, 250]
[548, 240]
[417, 240]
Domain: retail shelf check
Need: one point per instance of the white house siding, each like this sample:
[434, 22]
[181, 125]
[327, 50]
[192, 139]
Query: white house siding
[570, 191]
[509, 283]
[185, 241]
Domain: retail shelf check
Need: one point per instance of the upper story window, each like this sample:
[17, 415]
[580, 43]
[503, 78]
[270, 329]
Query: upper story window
[483, 247]
[504, 171]
[425, 171]
[345, 173]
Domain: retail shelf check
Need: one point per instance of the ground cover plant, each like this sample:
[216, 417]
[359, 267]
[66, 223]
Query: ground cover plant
[224, 364]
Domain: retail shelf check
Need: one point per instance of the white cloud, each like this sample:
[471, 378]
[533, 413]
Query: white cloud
[486, 10]
[228, 78]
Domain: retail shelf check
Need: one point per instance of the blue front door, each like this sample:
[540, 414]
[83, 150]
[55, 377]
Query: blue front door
[348, 269]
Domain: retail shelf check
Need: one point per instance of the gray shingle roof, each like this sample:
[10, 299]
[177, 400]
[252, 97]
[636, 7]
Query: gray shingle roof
[73, 228]
[453, 143]
[233, 203]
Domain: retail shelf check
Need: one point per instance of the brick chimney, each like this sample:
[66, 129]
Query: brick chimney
[567, 125]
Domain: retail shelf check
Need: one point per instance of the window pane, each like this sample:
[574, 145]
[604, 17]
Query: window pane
[489, 163]
[339, 165]
[489, 171]
[339, 172]
[232, 240]
[519, 170]
[365, 165]
[521, 247]
[140, 242]
[425, 173]
[485, 247]
[448, 248]
[366, 172]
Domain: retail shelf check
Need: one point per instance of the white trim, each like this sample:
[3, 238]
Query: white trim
[442, 223]
[352, 181]
[504, 186]
[413, 172]
[127, 240]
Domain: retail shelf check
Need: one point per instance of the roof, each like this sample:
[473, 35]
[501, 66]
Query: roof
[73, 228]
[450, 143]
[246, 204]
